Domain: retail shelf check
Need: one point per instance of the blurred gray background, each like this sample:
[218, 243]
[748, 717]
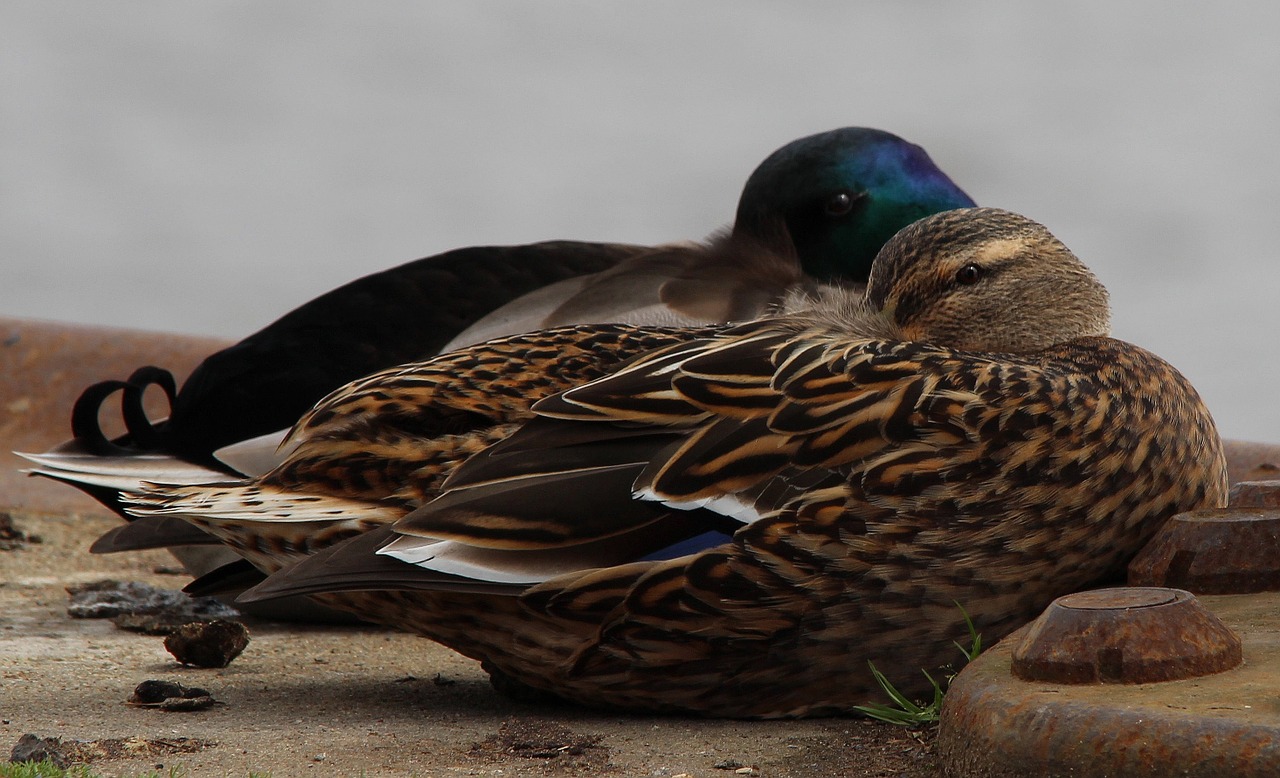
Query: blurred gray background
[204, 167]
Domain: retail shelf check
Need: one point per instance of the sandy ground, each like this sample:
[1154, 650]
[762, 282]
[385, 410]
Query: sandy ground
[308, 700]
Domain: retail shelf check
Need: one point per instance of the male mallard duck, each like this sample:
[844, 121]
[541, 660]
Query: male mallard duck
[736, 522]
[830, 199]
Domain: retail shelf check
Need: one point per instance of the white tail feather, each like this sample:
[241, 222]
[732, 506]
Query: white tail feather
[125, 473]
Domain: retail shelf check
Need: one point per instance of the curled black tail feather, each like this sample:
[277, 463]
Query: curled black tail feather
[84, 419]
[143, 436]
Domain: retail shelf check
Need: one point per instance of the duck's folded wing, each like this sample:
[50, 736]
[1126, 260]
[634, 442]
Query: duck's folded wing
[355, 565]
[603, 489]
[559, 496]
[571, 498]
[383, 559]
[517, 521]
[730, 279]
[737, 361]
[767, 398]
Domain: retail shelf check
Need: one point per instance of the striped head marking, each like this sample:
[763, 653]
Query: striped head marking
[983, 279]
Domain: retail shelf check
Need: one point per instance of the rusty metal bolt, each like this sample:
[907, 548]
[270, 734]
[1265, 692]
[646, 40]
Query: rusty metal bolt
[1216, 551]
[1126, 635]
[1254, 494]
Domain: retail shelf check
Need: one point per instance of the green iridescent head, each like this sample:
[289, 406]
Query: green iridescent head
[840, 195]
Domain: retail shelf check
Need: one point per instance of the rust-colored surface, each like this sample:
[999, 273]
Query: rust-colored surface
[1247, 461]
[1254, 494]
[1227, 724]
[1224, 551]
[43, 368]
[1128, 635]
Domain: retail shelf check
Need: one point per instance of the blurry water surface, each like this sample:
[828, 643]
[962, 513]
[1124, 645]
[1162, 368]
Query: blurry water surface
[204, 167]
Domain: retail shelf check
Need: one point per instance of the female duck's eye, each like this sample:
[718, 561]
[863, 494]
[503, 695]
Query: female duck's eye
[839, 204]
[969, 274]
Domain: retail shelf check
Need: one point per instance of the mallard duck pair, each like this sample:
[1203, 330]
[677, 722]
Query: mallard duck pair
[815, 211]
[826, 203]
[734, 520]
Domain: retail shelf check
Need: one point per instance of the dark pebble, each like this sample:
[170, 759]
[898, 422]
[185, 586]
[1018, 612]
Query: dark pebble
[187, 703]
[207, 643]
[12, 538]
[33, 748]
[156, 692]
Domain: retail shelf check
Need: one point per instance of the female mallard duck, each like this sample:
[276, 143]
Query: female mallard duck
[830, 199]
[736, 522]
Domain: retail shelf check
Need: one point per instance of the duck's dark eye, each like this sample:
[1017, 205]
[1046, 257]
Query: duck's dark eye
[839, 204]
[969, 274]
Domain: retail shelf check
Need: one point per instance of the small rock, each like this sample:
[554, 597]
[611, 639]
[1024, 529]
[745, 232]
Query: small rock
[33, 748]
[140, 607]
[12, 538]
[727, 764]
[207, 643]
[187, 703]
[155, 692]
[170, 696]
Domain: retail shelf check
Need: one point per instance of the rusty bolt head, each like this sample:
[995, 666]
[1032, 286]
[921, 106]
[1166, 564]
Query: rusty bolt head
[1215, 551]
[1126, 635]
[1254, 494]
